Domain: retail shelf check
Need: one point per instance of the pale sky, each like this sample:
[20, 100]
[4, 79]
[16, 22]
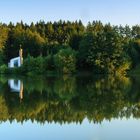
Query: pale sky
[113, 11]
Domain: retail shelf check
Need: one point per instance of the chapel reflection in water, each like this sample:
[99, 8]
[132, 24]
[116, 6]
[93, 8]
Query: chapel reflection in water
[16, 86]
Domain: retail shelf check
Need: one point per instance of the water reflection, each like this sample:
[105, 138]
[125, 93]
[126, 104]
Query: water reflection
[69, 98]
[16, 86]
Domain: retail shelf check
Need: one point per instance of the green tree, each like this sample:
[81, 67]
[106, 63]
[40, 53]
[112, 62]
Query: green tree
[65, 60]
[102, 50]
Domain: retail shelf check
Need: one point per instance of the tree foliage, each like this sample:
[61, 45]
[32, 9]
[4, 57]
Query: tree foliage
[102, 48]
[65, 60]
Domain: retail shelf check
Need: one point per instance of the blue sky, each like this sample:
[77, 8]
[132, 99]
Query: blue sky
[113, 11]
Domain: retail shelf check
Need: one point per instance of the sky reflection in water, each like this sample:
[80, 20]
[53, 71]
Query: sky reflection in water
[114, 130]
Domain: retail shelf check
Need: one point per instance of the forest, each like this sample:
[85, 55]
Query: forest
[69, 47]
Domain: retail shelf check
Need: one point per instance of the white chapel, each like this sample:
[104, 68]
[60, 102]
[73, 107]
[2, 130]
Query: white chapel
[17, 61]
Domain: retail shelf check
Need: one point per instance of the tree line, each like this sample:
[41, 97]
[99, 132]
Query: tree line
[67, 47]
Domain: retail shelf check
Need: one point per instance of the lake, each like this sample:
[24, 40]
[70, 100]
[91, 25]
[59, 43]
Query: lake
[70, 107]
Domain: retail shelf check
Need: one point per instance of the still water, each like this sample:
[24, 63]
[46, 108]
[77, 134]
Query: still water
[70, 108]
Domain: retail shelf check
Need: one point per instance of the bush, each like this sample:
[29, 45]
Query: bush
[3, 69]
[34, 65]
[65, 61]
[49, 63]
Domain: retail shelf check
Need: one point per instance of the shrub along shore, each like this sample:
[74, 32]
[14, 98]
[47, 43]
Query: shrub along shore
[69, 47]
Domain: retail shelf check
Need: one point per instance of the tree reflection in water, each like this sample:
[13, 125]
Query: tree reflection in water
[70, 99]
